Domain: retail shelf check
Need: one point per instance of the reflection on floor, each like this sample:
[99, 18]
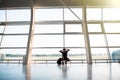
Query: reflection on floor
[98, 71]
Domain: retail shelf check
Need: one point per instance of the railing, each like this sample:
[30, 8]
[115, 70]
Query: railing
[73, 61]
[11, 61]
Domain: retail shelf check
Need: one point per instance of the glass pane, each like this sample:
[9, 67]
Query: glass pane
[14, 41]
[18, 15]
[113, 39]
[97, 40]
[115, 54]
[55, 54]
[2, 16]
[99, 53]
[0, 38]
[94, 28]
[112, 27]
[73, 28]
[93, 14]
[111, 13]
[48, 41]
[46, 51]
[17, 29]
[46, 54]
[48, 14]
[1, 29]
[68, 15]
[74, 41]
[49, 28]
[114, 50]
[13, 53]
[78, 53]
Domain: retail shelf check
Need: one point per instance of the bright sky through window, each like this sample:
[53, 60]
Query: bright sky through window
[49, 35]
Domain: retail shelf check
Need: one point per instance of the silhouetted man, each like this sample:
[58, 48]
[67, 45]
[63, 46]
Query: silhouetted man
[64, 54]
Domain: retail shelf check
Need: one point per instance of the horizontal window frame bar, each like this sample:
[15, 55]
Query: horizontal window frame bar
[58, 47]
[59, 22]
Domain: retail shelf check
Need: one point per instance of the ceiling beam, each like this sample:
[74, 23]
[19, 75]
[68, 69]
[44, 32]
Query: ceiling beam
[52, 3]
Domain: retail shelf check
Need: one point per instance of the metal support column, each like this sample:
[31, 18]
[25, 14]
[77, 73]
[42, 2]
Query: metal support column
[86, 35]
[27, 57]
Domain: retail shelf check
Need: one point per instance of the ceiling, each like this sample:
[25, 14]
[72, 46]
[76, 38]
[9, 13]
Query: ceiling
[53, 3]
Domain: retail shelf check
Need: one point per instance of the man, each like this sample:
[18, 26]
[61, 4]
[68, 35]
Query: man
[64, 54]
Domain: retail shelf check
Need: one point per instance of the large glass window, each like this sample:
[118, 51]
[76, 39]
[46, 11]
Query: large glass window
[115, 54]
[18, 15]
[94, 14]
[49, 28]
[99, 53]
[94, 28]
[0, 38]
[111, 13]
[70, 14]
[46, 54]
[112, 27]
[53, 53]
[56, 28]
[112, 50]
[14, 35]
[2, 28]
[77, 53]
[48, 41]
[74, 41]
[113, 39]
[49, 14]
[2, 15]
[14, 41]
[50, 38]
[75, 28]
[97, 40]
[13, 51]
[17, 29]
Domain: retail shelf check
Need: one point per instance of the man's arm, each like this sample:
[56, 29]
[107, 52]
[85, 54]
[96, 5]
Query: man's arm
[68, 49]
[60, 51]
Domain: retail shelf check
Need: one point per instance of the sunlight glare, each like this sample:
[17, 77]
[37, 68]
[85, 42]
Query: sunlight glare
[113, 3]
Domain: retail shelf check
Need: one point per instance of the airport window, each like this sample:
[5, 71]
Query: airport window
[45, 28]
[69, 15]
[14, 41]
[97, 40]
[94, 28]
[99, 53]
[77, 53]
[49, 14]
[1, 28]
[18, 15]
[61, 28]
[11, 52]
[112, 27]
[113, 39]
[0, 38]
[48, 41]
[74, 40]
[17, 29]
[53, 53]
[73, 28]
[94, 14]
[2, 15]
[111, 13]
[113, 50]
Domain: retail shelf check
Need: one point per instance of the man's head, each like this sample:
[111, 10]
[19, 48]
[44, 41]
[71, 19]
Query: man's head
[64, 49]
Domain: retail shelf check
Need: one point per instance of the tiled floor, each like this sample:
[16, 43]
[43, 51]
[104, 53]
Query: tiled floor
[98, 71]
